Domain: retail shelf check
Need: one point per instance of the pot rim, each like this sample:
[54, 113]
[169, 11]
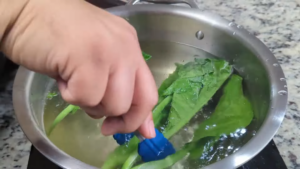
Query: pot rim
[264, 135]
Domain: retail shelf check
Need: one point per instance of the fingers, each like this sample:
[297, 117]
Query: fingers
[86, 87]
[144, 99]
[147, 126]
[119, 92]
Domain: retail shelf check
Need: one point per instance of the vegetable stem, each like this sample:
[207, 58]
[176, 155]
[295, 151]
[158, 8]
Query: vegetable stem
[60, 117]
[159, 108]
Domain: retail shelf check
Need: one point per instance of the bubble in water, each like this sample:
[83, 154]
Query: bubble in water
[233, 33]
[282, 79]
[254, 133]
[231, 24]
[243, 131]
[275, 64]
[240, 27]
[236, 150]
[282, 92]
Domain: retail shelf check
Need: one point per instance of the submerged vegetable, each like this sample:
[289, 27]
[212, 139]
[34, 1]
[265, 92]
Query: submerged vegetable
[233, 112]
[198, 148]
[69, 109]
[189, 88]
[50, 95]
[146, 56]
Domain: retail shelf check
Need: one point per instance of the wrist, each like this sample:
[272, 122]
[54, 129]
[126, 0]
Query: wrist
[9, 13]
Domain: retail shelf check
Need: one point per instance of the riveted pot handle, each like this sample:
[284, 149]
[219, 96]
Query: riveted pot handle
[191, 3]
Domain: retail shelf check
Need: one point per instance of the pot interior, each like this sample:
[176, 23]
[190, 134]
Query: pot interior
[170, 39]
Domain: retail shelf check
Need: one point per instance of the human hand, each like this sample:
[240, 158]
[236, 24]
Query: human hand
[94, 56]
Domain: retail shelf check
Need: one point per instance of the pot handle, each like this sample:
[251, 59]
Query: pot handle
[191, 3]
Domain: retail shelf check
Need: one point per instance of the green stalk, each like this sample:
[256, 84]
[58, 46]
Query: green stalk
[61, 116]
[131, 160]
[129, 153]
[159, 108]
[165, 163]
[157, 117]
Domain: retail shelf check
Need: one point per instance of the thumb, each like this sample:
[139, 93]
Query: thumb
[147, 129]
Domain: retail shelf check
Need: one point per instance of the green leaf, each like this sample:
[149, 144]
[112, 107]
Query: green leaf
[192, 91]
[50, 95]
[167, 82]
[120, 154]
[157, 116]
[233, 112]
[191, 149]
[146, 56]
[165, 163]
[203, 147]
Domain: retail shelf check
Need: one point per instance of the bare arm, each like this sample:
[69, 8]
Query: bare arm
[9, 12]
[93, 55]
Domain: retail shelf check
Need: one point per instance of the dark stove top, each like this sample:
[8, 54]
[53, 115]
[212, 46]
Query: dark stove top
[268, 158]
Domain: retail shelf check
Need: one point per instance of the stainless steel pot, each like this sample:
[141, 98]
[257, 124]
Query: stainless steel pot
[175, 34]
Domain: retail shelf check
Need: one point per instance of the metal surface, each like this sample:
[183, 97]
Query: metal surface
[168, 33]
[139, 136]
[191, 3]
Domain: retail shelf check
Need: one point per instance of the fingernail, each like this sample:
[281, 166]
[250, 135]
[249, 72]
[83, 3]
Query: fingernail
[151, 129]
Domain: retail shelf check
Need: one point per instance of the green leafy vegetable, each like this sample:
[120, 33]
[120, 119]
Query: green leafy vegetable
[188, 89]
[197, 82]
[233, 112]
[195, 149]
[50, 95]
[70, 109]
[146, 56]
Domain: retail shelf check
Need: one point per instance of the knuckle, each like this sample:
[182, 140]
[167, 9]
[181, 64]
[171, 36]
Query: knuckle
[130, 127]
[90, 103]
[115, 110]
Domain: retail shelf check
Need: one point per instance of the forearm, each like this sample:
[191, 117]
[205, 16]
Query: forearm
[9, 12]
